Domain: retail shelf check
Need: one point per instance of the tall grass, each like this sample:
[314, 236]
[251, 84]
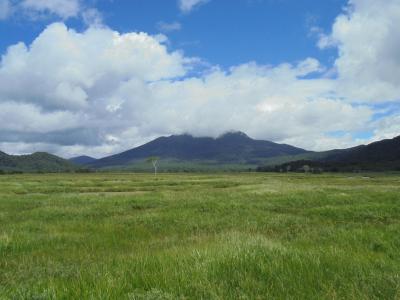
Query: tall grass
[226, 236]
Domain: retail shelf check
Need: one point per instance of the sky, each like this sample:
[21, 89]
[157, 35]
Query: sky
[97, 77]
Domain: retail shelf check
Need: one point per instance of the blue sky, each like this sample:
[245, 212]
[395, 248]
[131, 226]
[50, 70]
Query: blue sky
[100, 76]
[270, 31]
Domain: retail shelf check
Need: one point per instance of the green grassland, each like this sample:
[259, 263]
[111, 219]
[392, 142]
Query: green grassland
[176, 166]
[199, 236]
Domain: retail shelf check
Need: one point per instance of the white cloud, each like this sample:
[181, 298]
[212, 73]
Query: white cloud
[387, 127]
[169, 27]
[92, 17]
[42, 9]
[100, 92]
[326, 142]
[62, 8]
[28, 117]
[62, 77]
[273, 103]
[368, 39]
[188, 5]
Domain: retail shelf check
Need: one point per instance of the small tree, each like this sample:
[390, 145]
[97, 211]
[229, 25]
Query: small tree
[154, 161]
[306, 168]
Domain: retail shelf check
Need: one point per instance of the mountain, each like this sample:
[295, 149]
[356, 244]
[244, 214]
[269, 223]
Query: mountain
[387, 150]
[378, 156]
[231, 151]
[37, 162]
[230, 148]
[82, 160]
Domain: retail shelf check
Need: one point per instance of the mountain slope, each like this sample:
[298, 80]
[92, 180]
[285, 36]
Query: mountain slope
[82, 160]
[378, 156]
[381, 151]
[37, 162]
[234, 147]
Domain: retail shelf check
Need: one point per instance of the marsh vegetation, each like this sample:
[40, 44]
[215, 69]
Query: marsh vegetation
[199, 236]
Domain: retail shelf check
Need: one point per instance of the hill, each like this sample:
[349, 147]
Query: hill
[387, 150]
[82, 160]
[231, 151]
[230, 148]
[378, 156]
[36, 162]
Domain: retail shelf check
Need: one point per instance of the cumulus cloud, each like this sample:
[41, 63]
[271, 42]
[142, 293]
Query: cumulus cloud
[82, 64]
[188, 5]
[368, 40]
[72, 89]
[100, 92]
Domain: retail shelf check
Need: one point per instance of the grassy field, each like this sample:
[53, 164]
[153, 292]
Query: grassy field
[186, 236]
[177, 166]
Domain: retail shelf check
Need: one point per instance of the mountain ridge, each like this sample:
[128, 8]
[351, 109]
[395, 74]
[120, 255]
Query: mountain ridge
[35, 162]
[383, 155]
[82, 160]
[231, 147]
[234, 149]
